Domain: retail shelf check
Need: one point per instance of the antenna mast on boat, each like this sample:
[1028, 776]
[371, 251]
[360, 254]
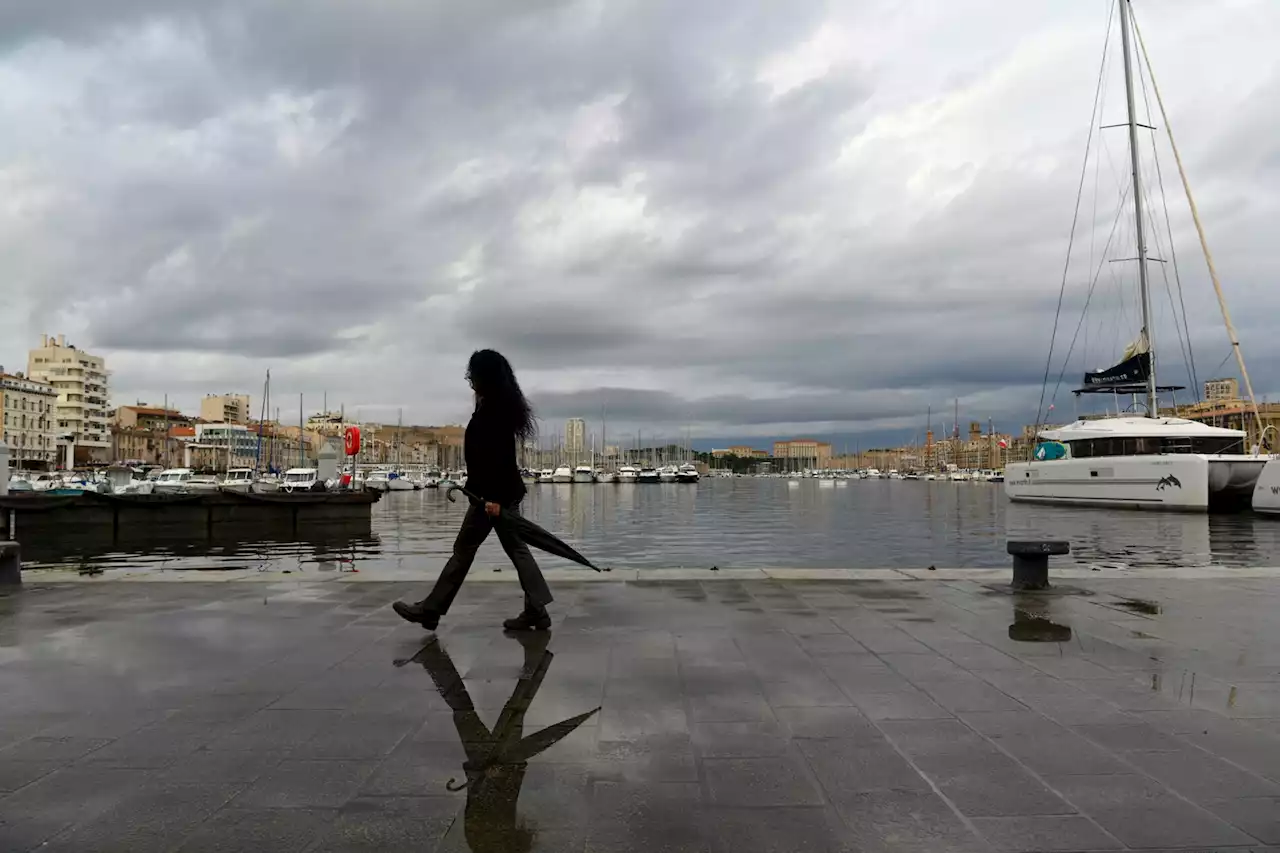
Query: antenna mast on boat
[1144, 290]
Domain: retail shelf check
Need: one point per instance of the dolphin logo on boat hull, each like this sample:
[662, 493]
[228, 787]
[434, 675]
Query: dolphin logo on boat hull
[1168, 482]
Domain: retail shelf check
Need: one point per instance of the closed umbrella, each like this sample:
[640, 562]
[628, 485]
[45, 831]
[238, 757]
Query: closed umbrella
[530, 533]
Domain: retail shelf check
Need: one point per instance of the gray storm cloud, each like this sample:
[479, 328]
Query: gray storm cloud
[744, 216]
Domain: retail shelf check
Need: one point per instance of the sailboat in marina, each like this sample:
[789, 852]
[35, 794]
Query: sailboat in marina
[1143, 460]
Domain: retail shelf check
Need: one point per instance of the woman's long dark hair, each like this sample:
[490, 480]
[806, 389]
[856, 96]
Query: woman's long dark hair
[495, 384]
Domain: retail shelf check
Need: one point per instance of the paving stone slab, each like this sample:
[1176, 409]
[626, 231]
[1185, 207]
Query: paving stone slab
[758, 713]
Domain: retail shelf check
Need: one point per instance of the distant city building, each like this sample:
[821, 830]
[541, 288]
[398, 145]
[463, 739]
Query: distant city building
[27, 409]
[242, 442]
[803, 452]
[225, 408]
[80, 378]
[147, 417]
[742, 451]
[575, 435]
[1222, 389]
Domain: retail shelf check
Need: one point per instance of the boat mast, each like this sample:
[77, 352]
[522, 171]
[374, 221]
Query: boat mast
[1144, 290]
[262, 416]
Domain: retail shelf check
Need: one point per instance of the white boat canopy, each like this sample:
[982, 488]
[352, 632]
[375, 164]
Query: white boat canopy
[1138, 427]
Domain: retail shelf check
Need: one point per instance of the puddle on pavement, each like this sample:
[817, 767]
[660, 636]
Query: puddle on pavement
[1031, 624]
[497, 758]
[1139, 605]
[891, 594]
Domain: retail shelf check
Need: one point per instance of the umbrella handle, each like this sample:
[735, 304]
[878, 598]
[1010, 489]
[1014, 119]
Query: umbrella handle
[472, 497]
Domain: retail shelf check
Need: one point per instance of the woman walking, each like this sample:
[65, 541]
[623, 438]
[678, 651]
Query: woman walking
[502, 417]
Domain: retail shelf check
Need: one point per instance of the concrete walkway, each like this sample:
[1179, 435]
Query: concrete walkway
[726, 715]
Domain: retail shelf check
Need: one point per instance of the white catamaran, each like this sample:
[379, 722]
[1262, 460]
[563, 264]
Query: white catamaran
[1136, 461]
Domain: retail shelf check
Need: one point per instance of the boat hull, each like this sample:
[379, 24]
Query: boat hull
[583, 477]
[1181, 482]
[1266, 491]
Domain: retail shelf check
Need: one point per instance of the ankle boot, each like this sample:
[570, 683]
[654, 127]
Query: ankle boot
[529, 620]
[417, 613]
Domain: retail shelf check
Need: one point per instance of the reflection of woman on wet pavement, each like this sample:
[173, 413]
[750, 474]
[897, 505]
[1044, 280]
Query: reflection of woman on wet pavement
[502, 417]
[497, 760]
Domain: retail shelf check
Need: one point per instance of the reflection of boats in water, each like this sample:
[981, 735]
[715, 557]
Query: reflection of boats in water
[1106, 539]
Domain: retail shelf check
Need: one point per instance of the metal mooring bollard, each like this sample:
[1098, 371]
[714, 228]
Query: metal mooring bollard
[1031, 561]
[10, 564]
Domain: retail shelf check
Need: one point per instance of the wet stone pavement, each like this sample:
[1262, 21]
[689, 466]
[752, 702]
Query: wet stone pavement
[724, 715]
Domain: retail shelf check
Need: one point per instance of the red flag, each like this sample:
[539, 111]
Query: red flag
[1003, 443]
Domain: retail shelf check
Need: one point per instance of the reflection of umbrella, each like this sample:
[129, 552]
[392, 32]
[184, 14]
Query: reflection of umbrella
[505, 745]
[531, 534]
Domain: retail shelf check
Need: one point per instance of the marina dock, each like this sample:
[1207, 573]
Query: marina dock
[196, 514]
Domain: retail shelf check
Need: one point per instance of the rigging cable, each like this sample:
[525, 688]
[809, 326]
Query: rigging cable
[1075, 218]
[1092, 285]
[1204, 242]
[1188, 352]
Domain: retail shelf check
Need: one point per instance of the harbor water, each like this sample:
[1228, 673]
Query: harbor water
[725, 523]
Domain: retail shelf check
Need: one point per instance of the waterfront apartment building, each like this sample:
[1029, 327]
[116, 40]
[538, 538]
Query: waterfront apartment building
[80, 379]
[233, 442]
[575, 436]
[27, 412]
[1221, 389]
[147, 417]
[803, 452]
[143, 434]
[225, 408]
[742, 451]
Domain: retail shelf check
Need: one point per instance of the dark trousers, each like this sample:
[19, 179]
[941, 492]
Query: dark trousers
[475, 529]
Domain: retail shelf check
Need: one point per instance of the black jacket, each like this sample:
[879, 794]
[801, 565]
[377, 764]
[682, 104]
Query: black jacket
[490, 449]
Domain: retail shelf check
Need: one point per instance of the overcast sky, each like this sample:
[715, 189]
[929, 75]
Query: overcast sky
[749, 218]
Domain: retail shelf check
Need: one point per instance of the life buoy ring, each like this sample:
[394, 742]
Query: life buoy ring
[351, 440]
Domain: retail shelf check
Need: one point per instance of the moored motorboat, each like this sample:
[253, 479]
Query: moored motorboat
[1139, 463]
[300, 480]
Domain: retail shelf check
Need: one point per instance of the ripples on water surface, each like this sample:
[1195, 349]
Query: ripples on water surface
[726, 523]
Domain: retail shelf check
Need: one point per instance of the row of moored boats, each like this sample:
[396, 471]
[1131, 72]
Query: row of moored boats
[686, 473]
